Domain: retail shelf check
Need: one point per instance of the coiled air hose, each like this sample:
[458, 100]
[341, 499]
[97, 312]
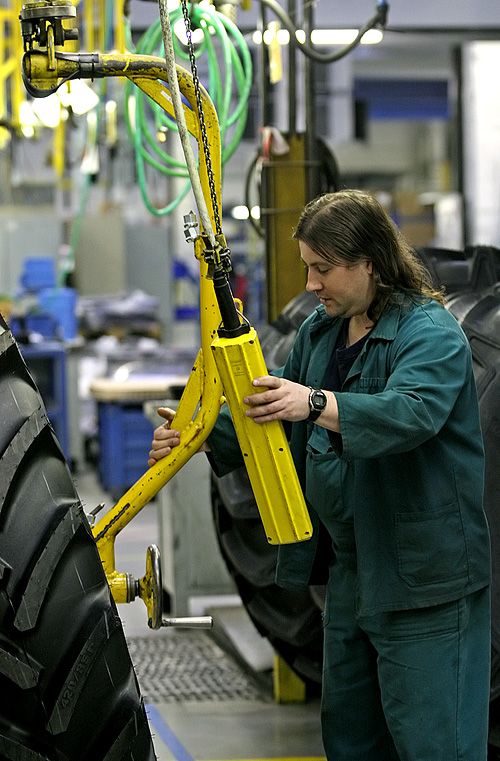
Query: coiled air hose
[229, 84]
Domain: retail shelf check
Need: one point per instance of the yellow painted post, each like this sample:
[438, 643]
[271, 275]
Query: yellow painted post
[101, 37]
[16, 84]
[288, 687]
[10, 69]
[4, 134]
[88, 24]
[119, 26]
[58, 150]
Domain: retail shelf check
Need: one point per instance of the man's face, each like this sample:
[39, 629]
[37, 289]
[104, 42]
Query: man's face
[345, 290]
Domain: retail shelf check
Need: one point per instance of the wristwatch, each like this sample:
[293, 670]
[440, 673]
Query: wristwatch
[317, 403]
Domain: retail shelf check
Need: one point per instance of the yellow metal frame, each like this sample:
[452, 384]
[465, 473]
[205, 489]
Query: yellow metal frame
[11, 87]
[203, 395]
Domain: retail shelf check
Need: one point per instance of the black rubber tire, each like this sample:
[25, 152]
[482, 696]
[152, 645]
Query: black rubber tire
[68, 690]
[479, 315]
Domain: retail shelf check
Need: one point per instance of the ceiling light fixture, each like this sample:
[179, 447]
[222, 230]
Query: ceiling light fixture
[197, 34]
[321, 36]
[242, 213]
[48, 110]
[79, 96]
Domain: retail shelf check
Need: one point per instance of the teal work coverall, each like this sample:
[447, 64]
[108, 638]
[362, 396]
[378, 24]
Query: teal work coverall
[407, 616]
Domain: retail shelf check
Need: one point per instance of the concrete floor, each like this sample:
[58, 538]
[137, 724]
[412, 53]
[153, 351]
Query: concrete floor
[213, 726]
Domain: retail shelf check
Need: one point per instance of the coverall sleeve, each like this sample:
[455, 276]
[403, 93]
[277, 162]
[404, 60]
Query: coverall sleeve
[225, 453]
[429, 369]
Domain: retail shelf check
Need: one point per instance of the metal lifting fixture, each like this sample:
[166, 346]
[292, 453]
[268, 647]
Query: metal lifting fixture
[230, 355]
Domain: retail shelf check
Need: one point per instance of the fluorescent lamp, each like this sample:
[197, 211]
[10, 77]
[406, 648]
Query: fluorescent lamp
[241, 212]
[197, 34]
[344, 36]
[110, 110]
[78, 96]
[27, 119]
[48, 110]
[321, 36]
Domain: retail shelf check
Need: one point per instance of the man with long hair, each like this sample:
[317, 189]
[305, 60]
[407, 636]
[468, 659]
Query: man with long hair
[379, 400]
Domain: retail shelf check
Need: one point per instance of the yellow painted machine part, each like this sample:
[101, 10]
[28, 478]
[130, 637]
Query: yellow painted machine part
[11, 49]
[267, 457]
[119, 27]
[58, 151]
[287, 686]
[200, 402]
[284, 191]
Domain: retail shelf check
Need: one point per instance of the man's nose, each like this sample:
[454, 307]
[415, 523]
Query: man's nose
[312, 282]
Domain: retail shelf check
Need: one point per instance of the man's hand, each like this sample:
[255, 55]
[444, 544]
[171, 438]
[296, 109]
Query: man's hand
[283, 400]
[164, 438]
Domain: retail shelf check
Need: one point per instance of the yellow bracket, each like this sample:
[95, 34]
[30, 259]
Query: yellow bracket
[266, 451]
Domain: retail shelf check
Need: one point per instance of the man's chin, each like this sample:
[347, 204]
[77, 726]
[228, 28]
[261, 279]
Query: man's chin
[332, 310]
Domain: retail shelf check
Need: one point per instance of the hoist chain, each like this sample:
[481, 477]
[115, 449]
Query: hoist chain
[201, 116]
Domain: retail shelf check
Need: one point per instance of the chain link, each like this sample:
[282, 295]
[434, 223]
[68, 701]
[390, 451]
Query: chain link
[201, 117]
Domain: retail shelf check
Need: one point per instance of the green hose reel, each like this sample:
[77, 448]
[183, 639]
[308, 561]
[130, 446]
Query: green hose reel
[229, 83]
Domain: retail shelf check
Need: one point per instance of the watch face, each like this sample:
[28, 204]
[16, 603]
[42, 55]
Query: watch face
[318, 400]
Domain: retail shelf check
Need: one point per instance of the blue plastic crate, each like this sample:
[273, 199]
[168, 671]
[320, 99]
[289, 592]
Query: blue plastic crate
[125, 436]
[60, 304]
[38, 272]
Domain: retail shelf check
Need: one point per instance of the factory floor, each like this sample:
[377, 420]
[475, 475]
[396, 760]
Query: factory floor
[204, 701]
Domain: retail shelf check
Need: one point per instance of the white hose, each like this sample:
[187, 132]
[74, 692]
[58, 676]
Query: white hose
[181, 122]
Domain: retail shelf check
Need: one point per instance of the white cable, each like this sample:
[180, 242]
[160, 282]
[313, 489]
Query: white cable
[181, 122]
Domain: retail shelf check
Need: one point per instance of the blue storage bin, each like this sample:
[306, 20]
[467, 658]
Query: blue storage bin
[35, 322]
[38, 272]
[125, 436]
[60, 304]
[42, 323]
[186, 290]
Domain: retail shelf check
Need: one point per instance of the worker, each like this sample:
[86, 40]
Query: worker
[379, 402]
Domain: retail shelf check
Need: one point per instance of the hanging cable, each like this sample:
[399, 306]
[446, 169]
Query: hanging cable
[378, 21]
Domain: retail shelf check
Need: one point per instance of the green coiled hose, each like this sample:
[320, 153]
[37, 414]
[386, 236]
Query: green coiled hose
[229, 84]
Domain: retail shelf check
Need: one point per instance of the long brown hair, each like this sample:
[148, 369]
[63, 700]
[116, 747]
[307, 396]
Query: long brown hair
[349, 226]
